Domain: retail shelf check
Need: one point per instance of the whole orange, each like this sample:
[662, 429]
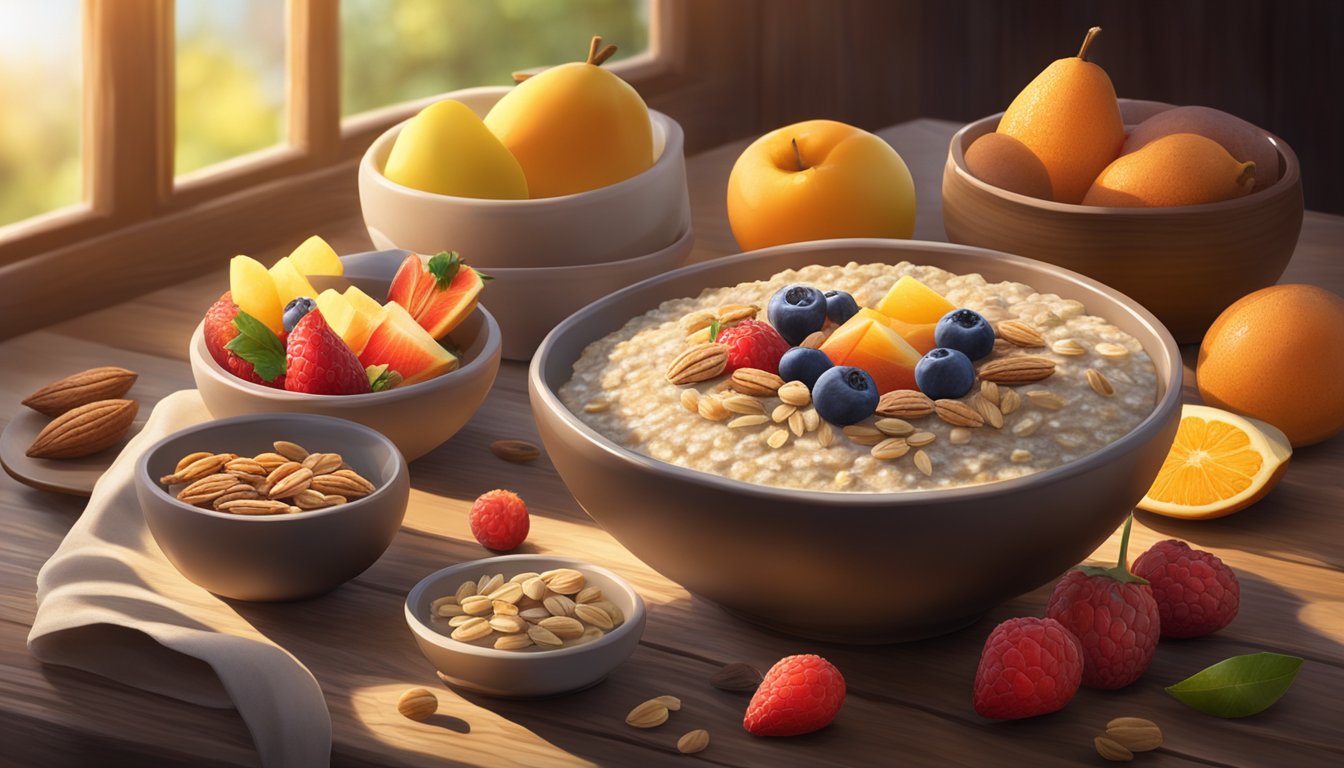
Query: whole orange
[1278, 355]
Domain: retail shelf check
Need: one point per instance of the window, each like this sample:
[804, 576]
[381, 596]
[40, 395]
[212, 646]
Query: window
[40, 74]
[230, 80]
[398, 50]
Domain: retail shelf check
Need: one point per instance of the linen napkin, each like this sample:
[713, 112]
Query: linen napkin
[109, 602]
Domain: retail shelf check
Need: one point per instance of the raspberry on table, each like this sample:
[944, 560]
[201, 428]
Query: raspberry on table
[499, 520]
[1196, 592]
[799, 694]
[1028, 667]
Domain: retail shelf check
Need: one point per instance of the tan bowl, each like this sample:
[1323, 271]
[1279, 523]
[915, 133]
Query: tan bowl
[532, 672]
[417, 417]
[275, 557]
[1186, 264]
[853, 567]
[639, 215]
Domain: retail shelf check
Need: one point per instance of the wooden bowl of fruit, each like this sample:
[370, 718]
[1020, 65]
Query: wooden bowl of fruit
[1185, 209]
[396, 342]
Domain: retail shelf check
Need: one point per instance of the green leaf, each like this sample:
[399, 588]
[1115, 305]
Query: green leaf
[444, 268]
[713, 330]
[258, 345]
[381, 378]
[1239, 686]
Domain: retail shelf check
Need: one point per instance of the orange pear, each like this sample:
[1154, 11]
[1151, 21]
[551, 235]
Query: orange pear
[1180, 169]
[1069, 117]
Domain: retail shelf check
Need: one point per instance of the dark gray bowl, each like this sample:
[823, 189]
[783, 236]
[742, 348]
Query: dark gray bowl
[853, 567]
[280, 557]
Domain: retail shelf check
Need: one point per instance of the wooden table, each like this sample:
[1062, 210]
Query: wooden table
[907, 704]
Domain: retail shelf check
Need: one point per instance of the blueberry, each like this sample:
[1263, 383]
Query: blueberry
[803, 364]
[797, 311]
[840, 306]
[295, 310]
[845, 395]
[944, 373]
[965, 331]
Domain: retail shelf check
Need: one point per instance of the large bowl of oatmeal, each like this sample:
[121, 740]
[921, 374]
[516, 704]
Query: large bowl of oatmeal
[822, 533]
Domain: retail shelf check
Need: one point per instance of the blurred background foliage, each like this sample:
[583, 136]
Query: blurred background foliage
[230, 73]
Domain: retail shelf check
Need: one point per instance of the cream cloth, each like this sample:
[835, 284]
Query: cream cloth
[109, 602]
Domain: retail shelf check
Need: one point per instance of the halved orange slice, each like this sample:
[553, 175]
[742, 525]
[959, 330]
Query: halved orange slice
[1219, 463]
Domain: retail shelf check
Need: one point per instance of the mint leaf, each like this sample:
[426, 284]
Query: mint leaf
[258, 345]
[1239, 686]
[444, 268]
[713, 330]
[381, 378]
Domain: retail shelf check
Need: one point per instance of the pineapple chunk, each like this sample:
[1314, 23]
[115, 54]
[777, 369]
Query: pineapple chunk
[315, 257]
[254, 292]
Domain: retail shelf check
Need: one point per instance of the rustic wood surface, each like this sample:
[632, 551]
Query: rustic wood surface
[907, 704]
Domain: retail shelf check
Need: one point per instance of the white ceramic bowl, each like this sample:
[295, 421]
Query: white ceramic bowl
[637, 216]
[417, 417]
[534, 672]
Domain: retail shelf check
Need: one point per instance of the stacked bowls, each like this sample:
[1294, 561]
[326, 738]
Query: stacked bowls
[551, 256]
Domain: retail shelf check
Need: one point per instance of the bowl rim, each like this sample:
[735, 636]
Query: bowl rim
[1170, 400]
[956, 156]
[148, 480]
[493, 343]
[672, 154]
[633, 622]
[685, 240]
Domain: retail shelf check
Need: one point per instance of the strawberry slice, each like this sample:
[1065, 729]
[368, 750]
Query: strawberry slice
[313, 359]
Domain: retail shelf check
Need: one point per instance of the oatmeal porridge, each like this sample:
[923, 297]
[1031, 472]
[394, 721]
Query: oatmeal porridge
[1060, 384]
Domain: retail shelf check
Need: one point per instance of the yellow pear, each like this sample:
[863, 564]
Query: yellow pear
[575, 127]
[1069, 117]
[447, 150]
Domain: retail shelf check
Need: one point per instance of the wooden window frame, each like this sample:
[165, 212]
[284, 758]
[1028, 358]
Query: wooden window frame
[140, 228]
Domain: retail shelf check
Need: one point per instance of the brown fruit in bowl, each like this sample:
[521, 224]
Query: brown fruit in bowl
[1007, 163]
[1243, 141]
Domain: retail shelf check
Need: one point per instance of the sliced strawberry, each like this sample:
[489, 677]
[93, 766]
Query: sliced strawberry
[318, 362]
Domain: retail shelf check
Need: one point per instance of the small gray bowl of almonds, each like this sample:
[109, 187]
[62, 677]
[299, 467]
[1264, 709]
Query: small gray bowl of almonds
[525, 625]
[269, 507]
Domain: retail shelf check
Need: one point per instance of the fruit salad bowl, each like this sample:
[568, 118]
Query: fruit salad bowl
[640, 215]
[416, 417]
[1185, 264]
[853, 566]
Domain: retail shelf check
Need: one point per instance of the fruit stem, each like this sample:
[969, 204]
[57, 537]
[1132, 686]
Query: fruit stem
[1123, 563]
[1120, 572]
[597, 53]
[1091, 35]
[798, 154]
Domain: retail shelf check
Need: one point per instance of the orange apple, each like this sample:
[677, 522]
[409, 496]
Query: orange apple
[816, 180]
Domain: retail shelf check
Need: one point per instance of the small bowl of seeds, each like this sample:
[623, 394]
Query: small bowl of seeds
[273, 507]
[525, 625]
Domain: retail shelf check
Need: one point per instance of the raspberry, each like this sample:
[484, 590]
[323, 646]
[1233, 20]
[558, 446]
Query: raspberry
[799, 694]
[753, 344]
[499, 520]
[1196, 592]
[1114, 616]
[1028, 667]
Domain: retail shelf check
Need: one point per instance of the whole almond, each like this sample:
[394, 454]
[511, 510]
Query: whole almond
[474, 629]
[343, 482]
[755, 382]
[323, 463]
[515, 642]
[734, 313]
[738, 676]
[509, 592]
[508, 624]
[236, 492]
[559, 605]
[269, 461]
[701, 362]
[255, 507]
[957, 413]
[1017, 369]
[905, 404]
[291, 451]
[563, 627]
[190, 459]
[672, 703]
[105, 383]
[693, 741]
[1020, 334]
[1135, 733]
[1099, 383]
[207, 489]
[245, 466]
[650, 714]
[588, 594]
[1112, 750]
[517, 451]
[310, 499]
[535, 588]
[418, 704]
[209, 464]
[84, 430]
[893, 427]
[564, 581]
[591, 614]
[476, 605]
[290, 483]
[795, 393]
[543, 636]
